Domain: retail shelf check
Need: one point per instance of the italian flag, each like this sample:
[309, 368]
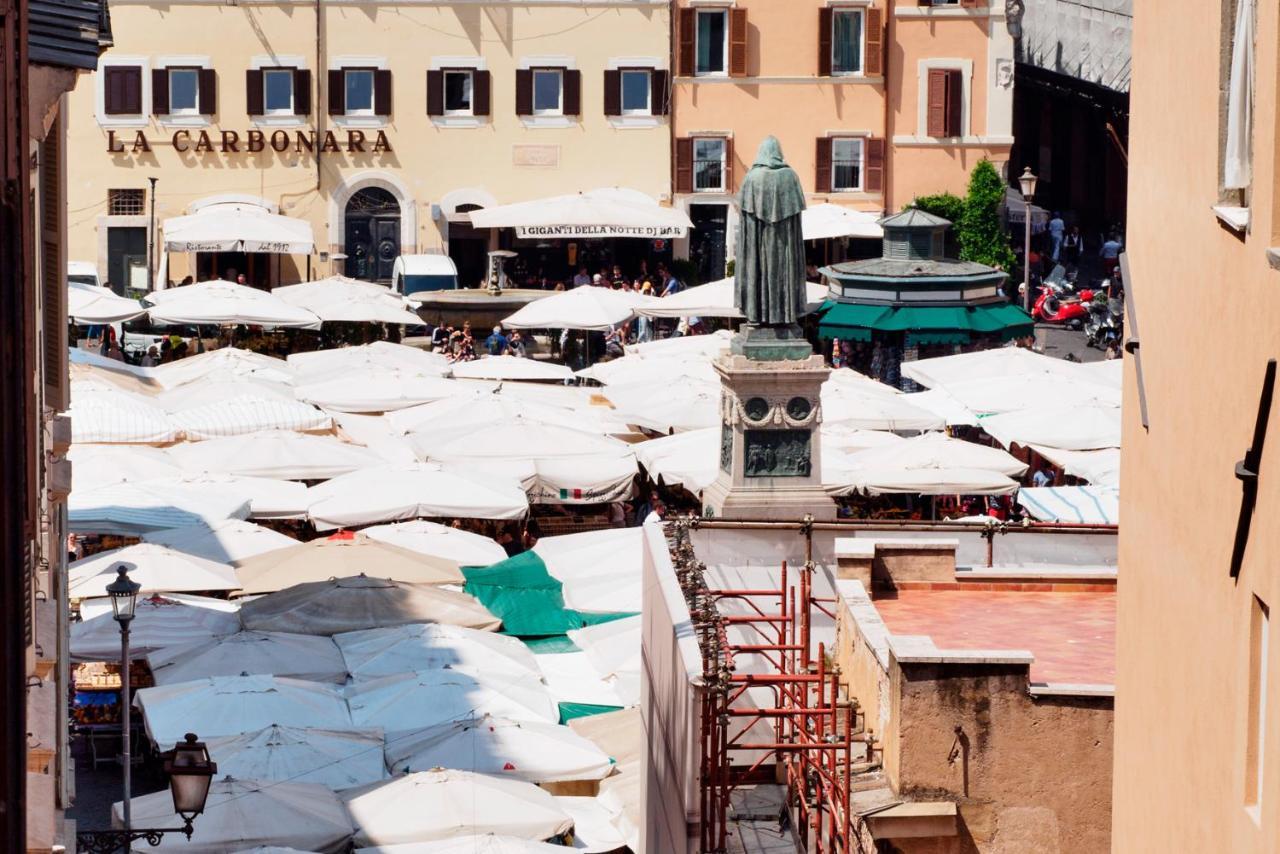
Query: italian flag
[570, 493]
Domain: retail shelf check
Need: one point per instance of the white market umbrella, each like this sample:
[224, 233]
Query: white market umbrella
[132, 509]
[444, 804]
[238, 227]
[585, 307]
[997, 363]
[520, 436]
[481, 408]
[157, 568]
[1029, 391]
[600, 570]
[243, 814]
[594, 479]
[595, 824]
[249, 413]
[90, 304]
[223, 384]
[1081, 505]
[842, 437]
[630, 370]
[670, 406]
[336, 758]
[90, 608]
[95, 465]
[377, 390]
[936, 450]
[119, 417]
[513, 750]
[405, 702]
[339, 298]
[572, 678]
[223, 364]
[432, 538]
[374, 653]
[274, 653]
[227, 541]
[391, 493]
[219, 303]
[689, 459]
[1081, 428]
[375, 433]
[825, 221]
[716, 299]
[1099, 468]
[158, 622]
[341, 361]
[339, 556]
[269, 498]
[510, 368]
[281, 454]
[604, 212]
[613, 648]
[351, 604]
[873, 410]
[685, 346]
[231, 705]
[942, 404]
[487, 843]
[839, 479]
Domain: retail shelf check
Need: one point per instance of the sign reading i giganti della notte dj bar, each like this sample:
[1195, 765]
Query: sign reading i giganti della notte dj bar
[255, 141]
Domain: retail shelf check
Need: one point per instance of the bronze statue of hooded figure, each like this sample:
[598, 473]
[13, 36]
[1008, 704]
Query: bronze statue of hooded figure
[769, 271]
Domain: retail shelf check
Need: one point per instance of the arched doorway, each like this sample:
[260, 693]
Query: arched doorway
[372, 237]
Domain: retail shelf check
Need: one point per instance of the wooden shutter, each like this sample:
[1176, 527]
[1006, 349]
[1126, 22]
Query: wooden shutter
[688, 42]
[301, 92]
[822, 174]
[253, 92]
[826, 25]
[937, 107]
[612, 93]
[53, 270]
[955, 104]
[122, 90]
[524, 92]
[873, 64]
[684, 165]
[160, 91]
[659, 91]
[209, 92]
[337, 93]
[572, 95]
[481, 93]
[737, 42]
[728, 164]
[382, 92]
[873, 165]
[435, 93]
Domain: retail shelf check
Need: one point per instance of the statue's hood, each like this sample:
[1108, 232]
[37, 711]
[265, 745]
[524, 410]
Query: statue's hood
[771, 192]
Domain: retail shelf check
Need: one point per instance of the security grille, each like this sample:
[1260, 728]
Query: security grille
[126, 202]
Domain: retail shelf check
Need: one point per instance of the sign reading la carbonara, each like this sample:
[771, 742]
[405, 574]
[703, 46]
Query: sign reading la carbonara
[648, 232]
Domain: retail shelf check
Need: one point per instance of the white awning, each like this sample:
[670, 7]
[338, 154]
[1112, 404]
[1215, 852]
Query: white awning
[608, 212]
[716, 299]
[238, 227]
[1091, 505]
[826, 220]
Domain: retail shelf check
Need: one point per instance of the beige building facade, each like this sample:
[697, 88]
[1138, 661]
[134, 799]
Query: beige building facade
[1198, 711]
[874, 101]
[380, 124]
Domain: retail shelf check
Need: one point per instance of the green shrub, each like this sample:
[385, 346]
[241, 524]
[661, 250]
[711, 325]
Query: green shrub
[981, 234]
[945, 205]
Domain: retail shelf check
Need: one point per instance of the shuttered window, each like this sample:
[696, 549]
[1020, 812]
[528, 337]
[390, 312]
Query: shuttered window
[53, 270]
[122, 90]
[548, 92]
[849, 164]
[946, 103]
[704, 164]
[873, 44]
[687, 41]
[738, 42]
[712, 41]
[846, 164]
[635, 92]
[301, 91]
[873, 166]
[360, 92]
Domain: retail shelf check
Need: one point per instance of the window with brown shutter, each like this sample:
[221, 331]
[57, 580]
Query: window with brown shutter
[481, 93]
[382, 92]
[688, 33]
[728, 164]
[826, 21]
[337, 92]
[302, 91]
[160, 91]
[684, 165]
[208, 92]
[435, 93]
[53, 269]
[737, 42]
[874, 63]
[572, 92]
[612, 92]
[822, 174]
[660, 87]
[524, 92]
[945, 109]
[873, 169]
[122, 90]
[253, 91]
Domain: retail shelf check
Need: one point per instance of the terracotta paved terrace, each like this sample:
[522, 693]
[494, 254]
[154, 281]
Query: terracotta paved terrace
[1071, 635]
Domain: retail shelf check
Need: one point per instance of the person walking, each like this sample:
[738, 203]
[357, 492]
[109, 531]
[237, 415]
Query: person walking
[1110, 253]
[1057, 231]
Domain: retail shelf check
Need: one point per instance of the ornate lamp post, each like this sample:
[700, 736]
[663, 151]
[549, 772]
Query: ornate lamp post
[190, 773]
[1028, 181]
[124, 599]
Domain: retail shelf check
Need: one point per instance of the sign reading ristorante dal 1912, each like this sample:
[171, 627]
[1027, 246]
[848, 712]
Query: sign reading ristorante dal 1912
[255, 141]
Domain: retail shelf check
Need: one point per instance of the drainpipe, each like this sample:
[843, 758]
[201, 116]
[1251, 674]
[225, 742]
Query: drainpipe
[890, 33]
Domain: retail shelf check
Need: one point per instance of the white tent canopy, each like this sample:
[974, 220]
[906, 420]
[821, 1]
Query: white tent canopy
[1092, 505]
[997, 363]
[924, 480]
[936, 450]
[994, 395]
[391, 493]
[157, 568]
[219, 303]
[376, 389]
[716, 299]
[1100, 467]
[512, 750]
[405, 702]
[95, 465]
[599, 570]
[242, 814]
[281, 454]
[248, 413]
[224, 363]
[226, 541]
[232, 705]
[1078, 428]
[118, 417]
[613, 648]
[521, 437]
[584, 307]
[90, 304]
[318, 364]
[586, 479]
[225, 383]
[823, 221]
[432, 538]
[338, 759]
[274, 653]
[685, 459]
[510, 368]
[444, 804]
[269, 498]
[606, 212]
[667, 406]
[341, 299]
[158, 622]
[339, 556]
[132, 509]
[870, 409]
[374, 653]
[238, 227]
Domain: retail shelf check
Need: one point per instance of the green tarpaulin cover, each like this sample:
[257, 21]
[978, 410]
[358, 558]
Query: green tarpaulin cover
[846, 320]
[527, 598]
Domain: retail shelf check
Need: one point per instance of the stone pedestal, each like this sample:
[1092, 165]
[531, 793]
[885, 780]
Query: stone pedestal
[770, 453]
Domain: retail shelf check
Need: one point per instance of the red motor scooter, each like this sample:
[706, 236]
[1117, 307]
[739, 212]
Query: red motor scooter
[1067, 311]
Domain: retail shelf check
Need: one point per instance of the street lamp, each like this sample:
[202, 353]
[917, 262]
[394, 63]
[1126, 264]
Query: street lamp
[1028, 181]
[124, 599]
[190, 773]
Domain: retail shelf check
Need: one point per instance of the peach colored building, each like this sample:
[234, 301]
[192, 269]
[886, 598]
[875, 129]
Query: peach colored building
[874, 101]
[1198, 717]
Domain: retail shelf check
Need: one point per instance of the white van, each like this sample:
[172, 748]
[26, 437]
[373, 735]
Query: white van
[413, 273]
[83, 273]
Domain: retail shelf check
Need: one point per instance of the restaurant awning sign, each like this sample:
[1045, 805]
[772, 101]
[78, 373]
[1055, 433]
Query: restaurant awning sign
[644, 232]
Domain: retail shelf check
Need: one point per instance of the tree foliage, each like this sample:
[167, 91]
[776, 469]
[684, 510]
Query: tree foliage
[946, 205]
[980, 232]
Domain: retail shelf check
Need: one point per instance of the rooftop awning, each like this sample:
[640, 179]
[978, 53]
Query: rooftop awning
[238, 227]
[850, 320]
[609, 212]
